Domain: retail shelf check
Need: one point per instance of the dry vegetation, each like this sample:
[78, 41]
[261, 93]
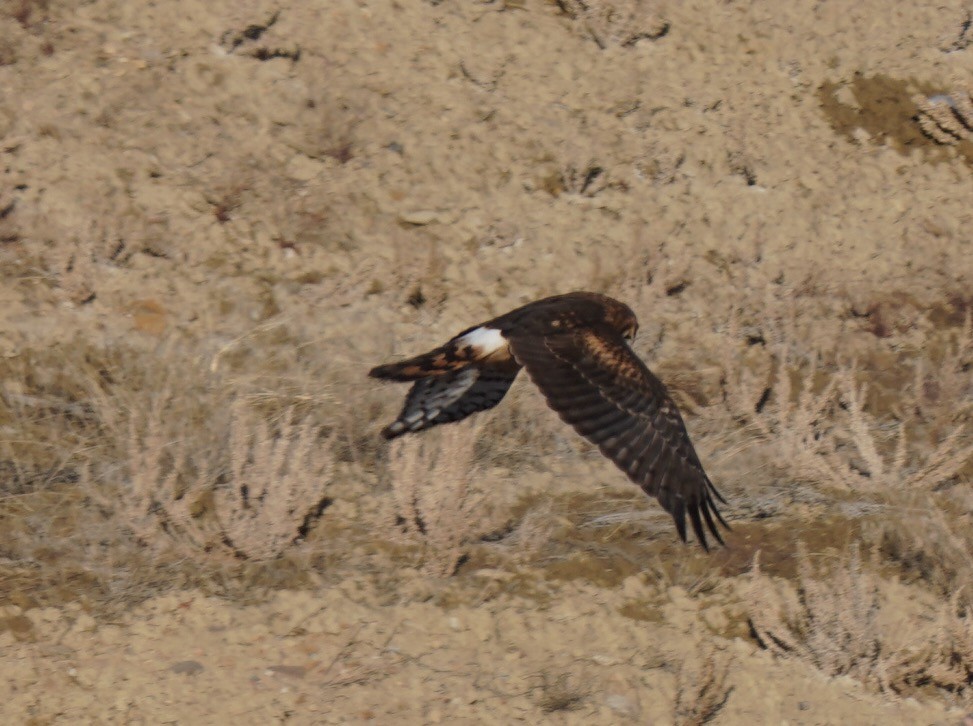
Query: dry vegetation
[212, 225]
[251, 493]
[701, 687]
[834, 619]
[947, 118]
[432, 491]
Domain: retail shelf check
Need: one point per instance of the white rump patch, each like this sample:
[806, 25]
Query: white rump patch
[485, 340]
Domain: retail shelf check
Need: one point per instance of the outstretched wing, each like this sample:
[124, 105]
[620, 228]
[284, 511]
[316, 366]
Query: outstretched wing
[598, 385]
[450, 397]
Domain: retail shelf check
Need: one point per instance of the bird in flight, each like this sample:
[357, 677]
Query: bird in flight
[575, 348]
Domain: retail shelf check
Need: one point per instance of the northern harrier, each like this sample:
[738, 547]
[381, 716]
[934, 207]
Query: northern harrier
[575, 349]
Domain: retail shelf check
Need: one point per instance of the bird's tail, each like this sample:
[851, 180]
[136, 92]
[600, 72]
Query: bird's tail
[439, 362]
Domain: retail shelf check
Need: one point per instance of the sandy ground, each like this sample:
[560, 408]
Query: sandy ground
[334, 657]
[259, 188]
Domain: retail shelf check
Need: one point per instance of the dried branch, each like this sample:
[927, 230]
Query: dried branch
[946, 118]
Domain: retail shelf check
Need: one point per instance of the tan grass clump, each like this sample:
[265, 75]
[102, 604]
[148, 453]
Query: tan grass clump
[822, 432]
[946, 659]
[434, 501]
[562, 692]
[162, 502]
[834, 620]
[931, 539]
[617, 22]
[791, 413]
[947, 118]
[942, 388]
[870, 469]
[701, 687]
[831, 621]
[251, 498]
[276, 484]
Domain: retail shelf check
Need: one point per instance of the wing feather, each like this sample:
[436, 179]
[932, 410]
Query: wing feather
[608, 423]
[598, 385]
[486, 392]
[450, 397]
[624, 442]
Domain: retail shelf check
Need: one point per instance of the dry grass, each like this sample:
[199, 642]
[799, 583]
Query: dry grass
[929, 539]
[867, 469]
[117, 486]
[435, 502]
[251, 495]
[836, 620]
[822, 428]
[701, 687]
[946, 659]
[830, 621]
[562, 692]
[946, 118]
[836, 430]
[276, 486]
[617, 22]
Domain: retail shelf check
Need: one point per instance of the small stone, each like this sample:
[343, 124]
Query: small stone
[419, 217]
[291, 671]
[493, 574]
[187, 667]
[20, 626]
[620, 704]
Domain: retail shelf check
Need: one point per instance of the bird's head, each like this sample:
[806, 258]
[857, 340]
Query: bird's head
[621, 318]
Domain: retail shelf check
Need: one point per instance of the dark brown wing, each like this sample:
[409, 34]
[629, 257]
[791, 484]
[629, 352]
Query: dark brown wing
[598, 385]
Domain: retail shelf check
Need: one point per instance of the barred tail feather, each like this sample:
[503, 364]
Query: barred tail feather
[428, 398]
[438, 362]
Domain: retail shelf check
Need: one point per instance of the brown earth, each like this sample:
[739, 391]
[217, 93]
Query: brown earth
[216, 216]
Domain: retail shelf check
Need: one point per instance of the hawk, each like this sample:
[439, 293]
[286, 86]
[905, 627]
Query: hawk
[575, 348]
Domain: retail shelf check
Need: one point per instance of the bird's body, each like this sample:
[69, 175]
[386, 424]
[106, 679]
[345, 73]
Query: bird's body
[575, 349]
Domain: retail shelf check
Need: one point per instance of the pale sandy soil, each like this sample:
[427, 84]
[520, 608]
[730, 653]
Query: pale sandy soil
[334, 657]
[211, 202]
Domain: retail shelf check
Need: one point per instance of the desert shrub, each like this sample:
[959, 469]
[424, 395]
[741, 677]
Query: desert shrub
[251, 493]
[834, 620]
[561, 692]
[276, 484]
[929, 539]
[435, 503]
[830, 621]
[819, 429]
[945, 659]
[701, 687]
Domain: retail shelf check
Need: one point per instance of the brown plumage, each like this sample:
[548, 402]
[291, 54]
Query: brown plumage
[575, 349]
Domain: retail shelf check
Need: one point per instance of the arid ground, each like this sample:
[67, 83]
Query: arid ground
[215, 217]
